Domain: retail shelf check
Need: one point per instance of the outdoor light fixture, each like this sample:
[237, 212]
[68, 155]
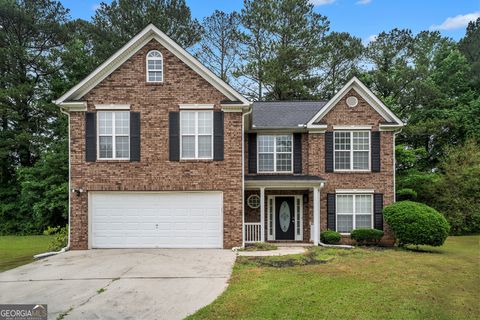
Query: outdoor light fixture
[77, 191]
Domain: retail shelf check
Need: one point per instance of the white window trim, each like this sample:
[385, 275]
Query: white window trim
[354, 223]
[351, 152]
[274, 153]
[196, 134]
[196, 106]
[271, 236]
[112, 106]
[113, 135]
[154, 70]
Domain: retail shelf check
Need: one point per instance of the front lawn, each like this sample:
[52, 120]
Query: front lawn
[356, 284]
[18, 250]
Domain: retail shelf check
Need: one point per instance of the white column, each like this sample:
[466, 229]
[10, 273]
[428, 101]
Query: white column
[262, 214]
[316, 215]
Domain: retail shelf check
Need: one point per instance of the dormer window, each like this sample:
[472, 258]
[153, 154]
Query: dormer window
[154, 66]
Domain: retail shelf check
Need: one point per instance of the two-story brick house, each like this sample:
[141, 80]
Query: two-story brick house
[163, 153]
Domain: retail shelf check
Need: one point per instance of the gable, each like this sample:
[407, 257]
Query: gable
[368, 104]
[133, 46]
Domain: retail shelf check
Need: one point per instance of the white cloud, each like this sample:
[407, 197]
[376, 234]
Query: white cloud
[95, 7]
[321, 2]
[456, 22]
[372, 38]
[364, 1]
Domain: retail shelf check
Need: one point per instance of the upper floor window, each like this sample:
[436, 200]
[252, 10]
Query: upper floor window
[275, 153]
[354, 211]
[196, 134]
[113, 135]
[154, 66]
[352, 150]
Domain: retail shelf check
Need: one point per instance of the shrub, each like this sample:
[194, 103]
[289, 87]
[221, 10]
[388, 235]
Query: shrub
[367, 236]
[416, 223]
[406, 194]
[330, 237]
[261, 246]
[60, 237]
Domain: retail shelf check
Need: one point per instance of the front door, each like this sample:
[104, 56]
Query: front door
[284, 218]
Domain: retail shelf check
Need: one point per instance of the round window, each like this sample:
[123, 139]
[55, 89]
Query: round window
[253, 201]
[352, 101]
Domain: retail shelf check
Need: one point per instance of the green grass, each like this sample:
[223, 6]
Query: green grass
[18, 250]
[260, 246]
[363, 283]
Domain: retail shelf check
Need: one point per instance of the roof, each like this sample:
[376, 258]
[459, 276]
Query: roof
[278, 177]
[366, 94]
[284, 114]
[129, 49]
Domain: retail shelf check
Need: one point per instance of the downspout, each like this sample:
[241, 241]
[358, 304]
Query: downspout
[320, 243]
[243, 179]
[51, 253]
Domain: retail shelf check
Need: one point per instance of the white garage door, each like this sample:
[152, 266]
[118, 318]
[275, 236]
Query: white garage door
[156, 220]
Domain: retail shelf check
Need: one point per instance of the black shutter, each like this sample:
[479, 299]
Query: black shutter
[328, 151]
[90, 137]
[375, 136]
[174, 136]
[218, 135]
[331, 211]
[134, 136]
[297, 153]
[252, 153]
[378, 211]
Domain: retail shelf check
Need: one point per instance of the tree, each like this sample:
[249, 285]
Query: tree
[470, 47]
[219, 46]
[117, 22]
[282, 47]
[341, 55]
[30, 32]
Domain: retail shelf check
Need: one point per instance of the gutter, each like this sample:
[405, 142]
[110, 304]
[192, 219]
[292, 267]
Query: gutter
[243, 178]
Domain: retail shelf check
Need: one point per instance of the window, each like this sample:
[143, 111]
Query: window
[113, 135]
[154, 66]
[274, 153]
[196, 130]
[354, 211]
[253, 201]
[352, 150]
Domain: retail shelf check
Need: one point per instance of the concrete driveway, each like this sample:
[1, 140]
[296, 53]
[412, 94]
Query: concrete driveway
[121, 284]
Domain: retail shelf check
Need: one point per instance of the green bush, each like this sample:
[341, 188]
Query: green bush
[406, 194]
[330, 237]
[416, 223]
[60, 237]
[367, 236]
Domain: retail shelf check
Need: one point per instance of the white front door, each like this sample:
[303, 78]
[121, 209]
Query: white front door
[156, 220]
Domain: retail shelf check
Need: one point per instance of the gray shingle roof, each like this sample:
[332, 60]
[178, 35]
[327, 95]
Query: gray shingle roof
[283, 114]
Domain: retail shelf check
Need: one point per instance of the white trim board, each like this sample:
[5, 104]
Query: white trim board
[112, 106]
[130, 48]
[365, 93]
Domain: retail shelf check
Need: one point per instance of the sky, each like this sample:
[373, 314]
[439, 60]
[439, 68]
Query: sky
[362, 18]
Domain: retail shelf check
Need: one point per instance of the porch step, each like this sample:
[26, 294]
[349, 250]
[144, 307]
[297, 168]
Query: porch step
[291, 244]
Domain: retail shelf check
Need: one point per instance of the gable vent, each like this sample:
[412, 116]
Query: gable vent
[352, 101]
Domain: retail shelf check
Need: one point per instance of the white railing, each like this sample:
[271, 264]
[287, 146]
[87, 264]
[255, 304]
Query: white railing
[253, 232]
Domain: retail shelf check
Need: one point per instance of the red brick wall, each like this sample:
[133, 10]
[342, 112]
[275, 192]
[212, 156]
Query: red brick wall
[155, 172]
[381, 182]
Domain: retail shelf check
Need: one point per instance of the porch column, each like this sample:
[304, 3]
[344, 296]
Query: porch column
[316, 215]
[262, 214]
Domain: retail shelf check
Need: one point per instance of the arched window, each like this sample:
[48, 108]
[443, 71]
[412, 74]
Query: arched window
[154, 66]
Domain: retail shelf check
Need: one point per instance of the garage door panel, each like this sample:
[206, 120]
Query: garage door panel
[155, 220]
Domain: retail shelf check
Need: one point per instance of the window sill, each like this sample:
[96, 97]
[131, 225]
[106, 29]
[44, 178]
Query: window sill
[112, 160]
[196, 160]
[352, 171]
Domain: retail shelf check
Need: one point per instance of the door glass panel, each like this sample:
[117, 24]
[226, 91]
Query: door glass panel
[284, 216]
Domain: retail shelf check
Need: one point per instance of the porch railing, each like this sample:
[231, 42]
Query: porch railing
[253, 232]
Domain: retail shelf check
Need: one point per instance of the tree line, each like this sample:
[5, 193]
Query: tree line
[270, 50]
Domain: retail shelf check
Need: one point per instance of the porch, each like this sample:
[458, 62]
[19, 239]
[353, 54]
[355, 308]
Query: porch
[282, 208]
